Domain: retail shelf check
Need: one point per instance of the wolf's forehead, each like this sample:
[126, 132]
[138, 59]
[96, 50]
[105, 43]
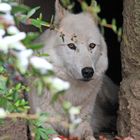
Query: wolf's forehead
[80, 27]
[80, 35]
[77, 37]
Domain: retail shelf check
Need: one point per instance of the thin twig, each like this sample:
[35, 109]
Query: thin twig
[51, 120]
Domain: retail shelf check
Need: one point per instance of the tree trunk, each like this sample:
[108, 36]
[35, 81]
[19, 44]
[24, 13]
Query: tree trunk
[13, 130]
[129, 111]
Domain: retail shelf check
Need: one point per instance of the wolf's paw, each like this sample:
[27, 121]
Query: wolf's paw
[90, 138]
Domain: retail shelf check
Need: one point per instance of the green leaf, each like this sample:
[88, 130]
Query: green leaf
[20, 9]
[17, 103]
[84, 6]
[67, 4]
[2, 69]
[114, 22]
[67, 105]
[28, 41]
[2, 121]
[30, 37]
[50, 131]
[93, 3]
[30, 13]
[114, 28]
[39, 87]
[97, 9]
[37, 135]
[44, 54]
[18, 86]
[3, 81]
[42, 133]
[36, 23]
[3, 102]
[120, 32]
[35, 46]
[43, 117]
[103, 22]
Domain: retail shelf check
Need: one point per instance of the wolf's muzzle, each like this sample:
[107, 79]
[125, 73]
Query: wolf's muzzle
[87, 73]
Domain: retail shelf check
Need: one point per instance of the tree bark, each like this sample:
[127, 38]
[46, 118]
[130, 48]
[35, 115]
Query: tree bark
[13, 130]
[129, 110]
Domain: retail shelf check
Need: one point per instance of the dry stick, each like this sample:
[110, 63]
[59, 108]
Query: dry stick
[22, 116]
[35, 117]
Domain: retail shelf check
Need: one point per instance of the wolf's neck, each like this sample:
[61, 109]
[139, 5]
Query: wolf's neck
[79, 90]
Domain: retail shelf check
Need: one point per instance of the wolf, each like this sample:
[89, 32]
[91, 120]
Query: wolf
[78, 53]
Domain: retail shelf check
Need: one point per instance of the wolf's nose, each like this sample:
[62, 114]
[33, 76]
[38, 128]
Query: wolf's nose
[87, 72]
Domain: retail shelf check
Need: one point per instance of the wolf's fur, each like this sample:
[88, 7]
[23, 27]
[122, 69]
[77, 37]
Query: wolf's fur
[68, 64]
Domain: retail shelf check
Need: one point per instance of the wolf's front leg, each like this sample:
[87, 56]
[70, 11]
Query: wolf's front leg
[84, 131]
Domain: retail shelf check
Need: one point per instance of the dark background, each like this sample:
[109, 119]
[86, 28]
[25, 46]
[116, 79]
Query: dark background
[109, 9]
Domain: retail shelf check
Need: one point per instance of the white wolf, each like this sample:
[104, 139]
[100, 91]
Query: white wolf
[79, 55]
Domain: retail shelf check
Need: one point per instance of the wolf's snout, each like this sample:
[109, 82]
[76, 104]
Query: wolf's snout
[87, 73]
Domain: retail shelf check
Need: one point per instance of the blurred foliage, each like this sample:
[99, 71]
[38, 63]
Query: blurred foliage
[18, 62]
[40, 132]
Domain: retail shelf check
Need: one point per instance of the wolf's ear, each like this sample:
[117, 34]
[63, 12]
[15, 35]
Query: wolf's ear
[102, 63]
[60, 12]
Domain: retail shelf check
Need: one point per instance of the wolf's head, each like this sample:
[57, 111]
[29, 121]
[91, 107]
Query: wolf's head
[78, 45]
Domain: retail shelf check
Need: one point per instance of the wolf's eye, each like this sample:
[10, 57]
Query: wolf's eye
[72, 46]
[92, 45]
